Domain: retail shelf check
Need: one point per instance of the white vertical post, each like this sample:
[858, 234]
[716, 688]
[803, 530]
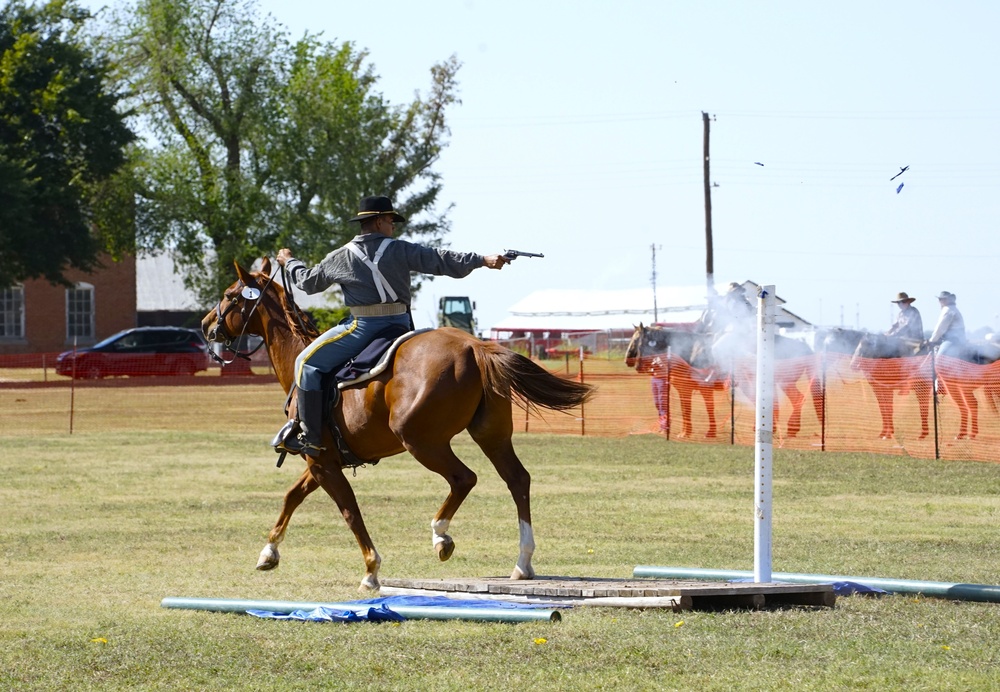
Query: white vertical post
[764, 432]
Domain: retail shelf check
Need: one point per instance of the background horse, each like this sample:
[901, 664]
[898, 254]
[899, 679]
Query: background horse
[654, 350]
[960, 375]
[890, 365]
[441, 382]
[794, 360]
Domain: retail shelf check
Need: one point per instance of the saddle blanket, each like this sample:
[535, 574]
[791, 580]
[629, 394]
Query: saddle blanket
[375, 358]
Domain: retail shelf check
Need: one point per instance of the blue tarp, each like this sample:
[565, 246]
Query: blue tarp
[381, 614]
[380, 609]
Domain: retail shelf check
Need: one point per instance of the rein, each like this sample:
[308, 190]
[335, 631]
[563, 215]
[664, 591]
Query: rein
[249, 293]
[295, 308]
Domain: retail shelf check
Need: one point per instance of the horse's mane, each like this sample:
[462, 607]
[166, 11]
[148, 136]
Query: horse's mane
[299, 322]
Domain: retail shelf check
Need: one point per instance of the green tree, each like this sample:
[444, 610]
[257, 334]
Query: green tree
[258, 142]
[62, 147]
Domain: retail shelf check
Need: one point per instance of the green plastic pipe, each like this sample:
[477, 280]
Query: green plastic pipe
[224, 605]
[959, 592]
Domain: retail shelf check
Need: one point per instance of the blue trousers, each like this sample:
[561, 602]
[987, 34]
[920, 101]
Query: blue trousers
[337, 345]
[951, 348]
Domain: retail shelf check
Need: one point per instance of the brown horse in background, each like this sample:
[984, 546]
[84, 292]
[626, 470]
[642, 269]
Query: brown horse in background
[441, 382]
[794, 360]
[973, 366]
[891, 364]
[659, 351]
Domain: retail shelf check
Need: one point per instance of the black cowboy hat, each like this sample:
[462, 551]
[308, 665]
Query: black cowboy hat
[371, 207]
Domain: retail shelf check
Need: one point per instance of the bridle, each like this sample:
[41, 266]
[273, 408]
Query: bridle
[656, 342]
[249, 294]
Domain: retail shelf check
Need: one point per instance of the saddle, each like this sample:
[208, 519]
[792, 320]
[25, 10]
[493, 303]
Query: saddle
[376, 357]
[371, 362]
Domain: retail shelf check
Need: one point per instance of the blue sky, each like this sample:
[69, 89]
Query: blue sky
[580, 136]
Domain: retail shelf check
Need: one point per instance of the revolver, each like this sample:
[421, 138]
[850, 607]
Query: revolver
[512, 255]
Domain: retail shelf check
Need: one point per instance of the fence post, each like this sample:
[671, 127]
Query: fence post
[764, 435]
[583, 417]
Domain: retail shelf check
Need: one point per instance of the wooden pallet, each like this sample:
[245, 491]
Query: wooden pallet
[628, 593]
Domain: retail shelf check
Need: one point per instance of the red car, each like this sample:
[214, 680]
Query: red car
[137, 352]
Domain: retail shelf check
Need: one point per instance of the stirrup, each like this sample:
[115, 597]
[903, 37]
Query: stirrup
[288, 431]
[298, 444]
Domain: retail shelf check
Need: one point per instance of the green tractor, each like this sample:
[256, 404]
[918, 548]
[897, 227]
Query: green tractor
[457, 312]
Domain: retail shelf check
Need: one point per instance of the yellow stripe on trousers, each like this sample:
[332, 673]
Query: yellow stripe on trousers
[316, 345]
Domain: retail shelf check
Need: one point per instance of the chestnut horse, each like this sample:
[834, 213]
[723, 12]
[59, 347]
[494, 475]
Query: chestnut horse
[441, 382]
[654, 350]
[959, 376]
[892, 364]
[794, 360]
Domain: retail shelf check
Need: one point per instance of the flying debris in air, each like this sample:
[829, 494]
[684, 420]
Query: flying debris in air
[901, 171]
[899, 188]
[758, 163]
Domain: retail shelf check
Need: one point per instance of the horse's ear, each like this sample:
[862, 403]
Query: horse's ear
[240, 271]
[265, 266]
[640, 325]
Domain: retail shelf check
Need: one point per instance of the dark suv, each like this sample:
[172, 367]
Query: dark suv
[139, 351]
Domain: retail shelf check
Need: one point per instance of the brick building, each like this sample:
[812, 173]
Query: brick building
[37, 317]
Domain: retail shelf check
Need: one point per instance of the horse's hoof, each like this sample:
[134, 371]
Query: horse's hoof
[518, 574]
[445, 548]
[370, 583]
[268, 558]
[710, 435]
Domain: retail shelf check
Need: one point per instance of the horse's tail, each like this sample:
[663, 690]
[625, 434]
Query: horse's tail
[505, 372]
[816, 391]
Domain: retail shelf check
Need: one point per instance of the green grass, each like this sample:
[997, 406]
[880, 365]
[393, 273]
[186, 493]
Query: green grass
[100, 527]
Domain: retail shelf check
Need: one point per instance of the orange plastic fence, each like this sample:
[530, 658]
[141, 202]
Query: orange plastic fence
[875, 407]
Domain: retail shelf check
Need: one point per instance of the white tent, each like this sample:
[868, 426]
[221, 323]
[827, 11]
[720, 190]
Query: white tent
[576, 310]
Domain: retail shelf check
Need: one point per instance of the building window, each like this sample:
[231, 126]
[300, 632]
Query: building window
[80, 312]
[12, 313]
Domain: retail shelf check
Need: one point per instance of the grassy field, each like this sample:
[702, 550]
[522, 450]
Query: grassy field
[100, 527]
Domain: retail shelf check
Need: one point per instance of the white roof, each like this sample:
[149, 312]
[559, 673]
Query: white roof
[566, 310]
[159, 287]
[582, 310]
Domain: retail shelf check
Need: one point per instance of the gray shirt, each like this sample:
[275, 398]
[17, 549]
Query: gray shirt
[400, 258]
[908, 324]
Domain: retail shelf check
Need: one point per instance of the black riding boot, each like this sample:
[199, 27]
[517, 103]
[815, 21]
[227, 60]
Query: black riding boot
[310, 421]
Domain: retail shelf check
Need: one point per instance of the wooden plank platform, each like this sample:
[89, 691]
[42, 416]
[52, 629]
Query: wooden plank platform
[627, 593]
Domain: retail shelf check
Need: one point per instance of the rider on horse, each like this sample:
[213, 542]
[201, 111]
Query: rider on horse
[373, 271]
[729, 321]
[908, 325]
[949, 333]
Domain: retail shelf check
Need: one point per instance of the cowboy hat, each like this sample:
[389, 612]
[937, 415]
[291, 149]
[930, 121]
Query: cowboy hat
[371, 207]
[946, 295]
[902, 297]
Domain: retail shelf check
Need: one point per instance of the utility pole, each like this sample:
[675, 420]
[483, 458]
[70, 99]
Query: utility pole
[656, 316]
[709, 252]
